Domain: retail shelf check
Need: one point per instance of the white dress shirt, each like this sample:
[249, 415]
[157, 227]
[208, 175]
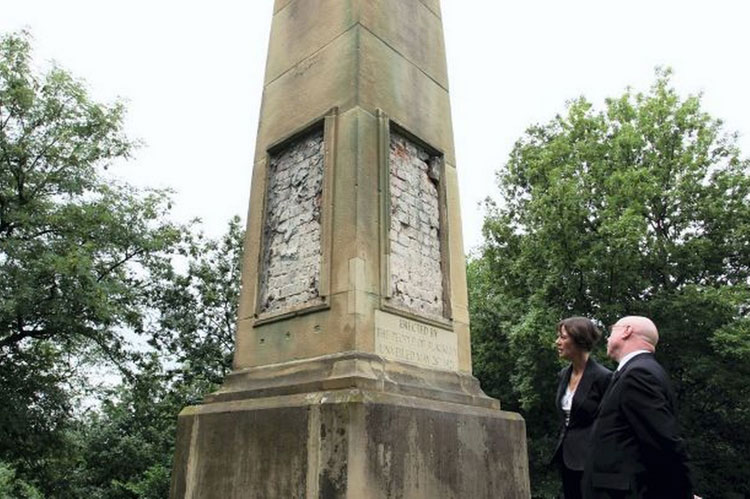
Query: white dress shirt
[567, 403]
[629, 356]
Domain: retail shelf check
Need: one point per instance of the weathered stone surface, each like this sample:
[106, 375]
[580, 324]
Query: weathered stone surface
[433, 5]
[414, 100]
[459, 294]
[280, 4]
[353, 370]
[416, 273]
[301, 336]
[354, 444]
[440, 452]
[297, 35]
[308, 91]
[222, 460]
[292, 229]
[413, 30]
[406, 340]
[251, 249]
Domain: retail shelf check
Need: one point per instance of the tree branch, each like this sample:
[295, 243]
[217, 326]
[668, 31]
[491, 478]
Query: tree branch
[5, 122]
[42, 153]
[22, 334]
[120, 263]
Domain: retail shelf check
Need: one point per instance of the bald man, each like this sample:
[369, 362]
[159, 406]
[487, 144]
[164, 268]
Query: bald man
[635, 448]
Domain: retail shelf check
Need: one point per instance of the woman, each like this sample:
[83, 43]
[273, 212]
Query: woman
[581, 387]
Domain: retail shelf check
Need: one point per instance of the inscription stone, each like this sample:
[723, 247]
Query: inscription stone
[416, 269]
[405, 340]
[291, 234]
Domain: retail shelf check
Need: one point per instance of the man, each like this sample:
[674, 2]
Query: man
[635, 449]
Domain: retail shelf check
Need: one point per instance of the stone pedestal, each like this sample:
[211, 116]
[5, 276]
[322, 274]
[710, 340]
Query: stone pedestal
[350, 426]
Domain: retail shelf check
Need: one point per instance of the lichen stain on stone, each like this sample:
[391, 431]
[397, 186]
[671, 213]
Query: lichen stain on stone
[333, 448]
[292, 228]
[414, 453]
[302, 68]
[328, 489]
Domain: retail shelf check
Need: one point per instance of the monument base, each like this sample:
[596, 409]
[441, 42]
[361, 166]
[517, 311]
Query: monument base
[353, 442]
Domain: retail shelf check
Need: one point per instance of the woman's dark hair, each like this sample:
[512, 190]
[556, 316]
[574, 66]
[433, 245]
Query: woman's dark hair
[583, 331]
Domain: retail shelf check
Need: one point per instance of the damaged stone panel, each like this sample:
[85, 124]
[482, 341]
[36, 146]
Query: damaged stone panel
[291, 257]
[416, 260]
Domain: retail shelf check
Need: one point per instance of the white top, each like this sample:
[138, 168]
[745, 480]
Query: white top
[629, 356]
[567, 403]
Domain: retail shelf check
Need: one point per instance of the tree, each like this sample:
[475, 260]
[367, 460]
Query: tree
[87, 265]
[76, 251]
[11, 487]
[643, 208]
[197, 309]
[128, 446]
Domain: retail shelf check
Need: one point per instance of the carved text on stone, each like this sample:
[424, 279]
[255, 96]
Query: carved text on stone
[405, 340]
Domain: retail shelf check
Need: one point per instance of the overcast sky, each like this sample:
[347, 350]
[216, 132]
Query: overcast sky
[192, 72]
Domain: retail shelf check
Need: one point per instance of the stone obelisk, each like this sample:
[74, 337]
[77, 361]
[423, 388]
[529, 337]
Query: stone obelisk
[352, 371]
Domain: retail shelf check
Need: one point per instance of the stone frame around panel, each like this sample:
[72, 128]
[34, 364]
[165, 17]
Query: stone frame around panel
[328, 124]
[385, 126]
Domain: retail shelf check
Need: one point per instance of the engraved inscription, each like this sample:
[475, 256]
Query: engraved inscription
[405, 340]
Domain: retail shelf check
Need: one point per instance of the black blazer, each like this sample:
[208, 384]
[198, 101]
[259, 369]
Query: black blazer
[635, 448]
[573, 440]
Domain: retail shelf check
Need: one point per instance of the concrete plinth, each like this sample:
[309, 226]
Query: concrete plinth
[349, 443]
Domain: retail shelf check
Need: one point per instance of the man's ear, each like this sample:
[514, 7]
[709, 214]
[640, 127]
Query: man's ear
[627, 331]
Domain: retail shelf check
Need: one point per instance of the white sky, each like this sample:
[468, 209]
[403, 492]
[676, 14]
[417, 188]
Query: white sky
[192, 74]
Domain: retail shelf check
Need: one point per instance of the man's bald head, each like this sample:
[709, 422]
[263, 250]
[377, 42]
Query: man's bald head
[644, 328]
[632, 333]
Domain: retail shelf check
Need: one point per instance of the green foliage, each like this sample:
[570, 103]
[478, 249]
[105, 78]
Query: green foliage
[128, 446]
[74, 245]
[77, 250]
[86, 266]
[15, 488]
[643, 208]
[198, 308]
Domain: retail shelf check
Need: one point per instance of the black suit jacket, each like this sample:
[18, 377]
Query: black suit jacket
[573, 440]
[635, 448]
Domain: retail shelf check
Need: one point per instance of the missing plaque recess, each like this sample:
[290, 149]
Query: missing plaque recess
[292, 251]
[415, 229]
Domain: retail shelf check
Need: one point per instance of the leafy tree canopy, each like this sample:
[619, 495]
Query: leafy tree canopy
[92, 276]
[128, 446]
[76, 249]
[197, 308]
[641, 208]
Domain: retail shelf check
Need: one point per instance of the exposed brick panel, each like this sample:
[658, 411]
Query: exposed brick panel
[292, 231]
[416, 271]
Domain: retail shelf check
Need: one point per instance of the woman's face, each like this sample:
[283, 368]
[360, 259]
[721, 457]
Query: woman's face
[566, 347]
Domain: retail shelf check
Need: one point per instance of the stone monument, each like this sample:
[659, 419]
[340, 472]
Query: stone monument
[352, 371]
